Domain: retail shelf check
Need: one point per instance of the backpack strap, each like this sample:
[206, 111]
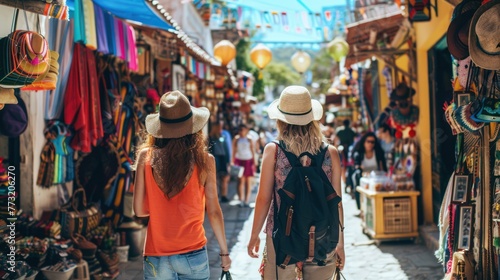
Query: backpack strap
[294, 161]
[318, 159]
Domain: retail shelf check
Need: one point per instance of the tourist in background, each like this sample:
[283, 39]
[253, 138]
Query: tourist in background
[219, 149]
[244, 156]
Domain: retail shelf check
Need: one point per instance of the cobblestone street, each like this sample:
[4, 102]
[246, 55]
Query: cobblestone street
[364, 259]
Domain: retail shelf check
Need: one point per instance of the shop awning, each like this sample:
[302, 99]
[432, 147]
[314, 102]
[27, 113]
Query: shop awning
[358, 37]
[134, 10]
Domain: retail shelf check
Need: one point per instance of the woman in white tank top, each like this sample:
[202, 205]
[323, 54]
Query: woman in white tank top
[244, 156]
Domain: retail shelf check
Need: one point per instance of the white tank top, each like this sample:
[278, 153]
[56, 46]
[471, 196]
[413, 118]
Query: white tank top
[243, 151]
[369, 164]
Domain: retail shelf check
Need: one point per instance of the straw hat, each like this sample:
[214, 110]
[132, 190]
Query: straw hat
[484, 36]
[177, 118]
[295, 106]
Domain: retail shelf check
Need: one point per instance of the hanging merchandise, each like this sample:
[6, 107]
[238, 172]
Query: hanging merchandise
[29, 58]
[486, 108]
[85, 29]
[56, 159]
[405, 114]
[284, 21]
[97, 170]
[305, 21]
[483, 39]
[82, 109]
[60, 34]
[7, 96]
[100, 23]
[13, 116]
[297, 23]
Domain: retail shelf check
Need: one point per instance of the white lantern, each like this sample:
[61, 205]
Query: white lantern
[301, 61]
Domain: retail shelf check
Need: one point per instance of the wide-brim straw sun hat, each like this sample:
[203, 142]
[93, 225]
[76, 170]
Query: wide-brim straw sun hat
[176, 117]
[484, 36]
[295, 106]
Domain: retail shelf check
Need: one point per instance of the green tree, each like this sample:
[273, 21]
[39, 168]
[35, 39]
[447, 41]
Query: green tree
[243, 63]
[321, 68]
[277, 74]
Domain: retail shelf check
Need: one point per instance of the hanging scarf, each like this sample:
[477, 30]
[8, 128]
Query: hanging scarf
[60, 36]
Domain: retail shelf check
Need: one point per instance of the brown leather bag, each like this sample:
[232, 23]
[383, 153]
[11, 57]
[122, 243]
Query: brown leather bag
[78, 217]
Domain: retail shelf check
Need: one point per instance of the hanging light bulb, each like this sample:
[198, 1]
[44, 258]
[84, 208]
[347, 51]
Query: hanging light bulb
[301, 61]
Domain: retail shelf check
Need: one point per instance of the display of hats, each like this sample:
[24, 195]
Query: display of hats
[47, 81]
[25, 57]
[7, 96]
[484, 34]
[457, 35]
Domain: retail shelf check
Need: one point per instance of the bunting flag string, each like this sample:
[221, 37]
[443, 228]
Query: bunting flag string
[328, 23]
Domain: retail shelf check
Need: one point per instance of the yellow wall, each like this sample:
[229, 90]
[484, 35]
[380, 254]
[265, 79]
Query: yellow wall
[427, 35]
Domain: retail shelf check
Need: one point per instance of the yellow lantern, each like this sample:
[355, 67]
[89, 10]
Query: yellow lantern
[224, 51]
[301, 61]
[338, 49]
[261, 56]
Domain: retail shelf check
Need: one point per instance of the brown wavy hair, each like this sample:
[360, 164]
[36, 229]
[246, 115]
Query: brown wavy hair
[172, 160]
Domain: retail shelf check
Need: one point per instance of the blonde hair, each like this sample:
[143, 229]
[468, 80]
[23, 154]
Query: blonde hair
[301, 138]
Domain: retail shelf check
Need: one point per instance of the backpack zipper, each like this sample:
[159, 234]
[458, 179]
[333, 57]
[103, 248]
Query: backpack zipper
[308, 184]
[289, 221]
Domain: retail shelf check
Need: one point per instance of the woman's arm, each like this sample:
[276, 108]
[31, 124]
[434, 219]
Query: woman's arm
[235, 149]
[264, 198]
[214, 213]
[252, 143]
[141, 208]
[336, 169]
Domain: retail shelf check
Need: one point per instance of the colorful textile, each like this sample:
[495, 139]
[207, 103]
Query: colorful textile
[133, 61]
[82, 101]
[102, 37]
[89, 18]
[60, 38]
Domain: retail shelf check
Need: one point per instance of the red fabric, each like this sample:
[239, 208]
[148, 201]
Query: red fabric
[82, 108]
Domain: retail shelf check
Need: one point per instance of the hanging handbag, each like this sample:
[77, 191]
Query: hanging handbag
[226, 274]
[78, 217]
[488, 108]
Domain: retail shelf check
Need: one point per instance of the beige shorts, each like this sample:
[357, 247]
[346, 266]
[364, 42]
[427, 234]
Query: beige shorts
[310, 271]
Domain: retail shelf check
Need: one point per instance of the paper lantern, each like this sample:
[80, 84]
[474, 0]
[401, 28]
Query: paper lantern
[261, 56]
[224, 51]
[338, 49]
[301, 61]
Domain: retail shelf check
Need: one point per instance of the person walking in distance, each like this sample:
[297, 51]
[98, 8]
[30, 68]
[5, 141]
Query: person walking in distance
[220, 151]
[175, 185]
[345, 138]
[244, 156]
[300, 138]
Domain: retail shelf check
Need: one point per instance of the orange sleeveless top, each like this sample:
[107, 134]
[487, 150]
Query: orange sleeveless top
[175, 225]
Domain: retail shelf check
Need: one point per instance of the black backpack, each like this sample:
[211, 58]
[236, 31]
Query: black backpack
[306, 227]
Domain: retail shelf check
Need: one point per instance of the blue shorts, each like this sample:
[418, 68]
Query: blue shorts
[191, 265]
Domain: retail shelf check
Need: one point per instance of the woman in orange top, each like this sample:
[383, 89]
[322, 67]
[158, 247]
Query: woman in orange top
[175, 183]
